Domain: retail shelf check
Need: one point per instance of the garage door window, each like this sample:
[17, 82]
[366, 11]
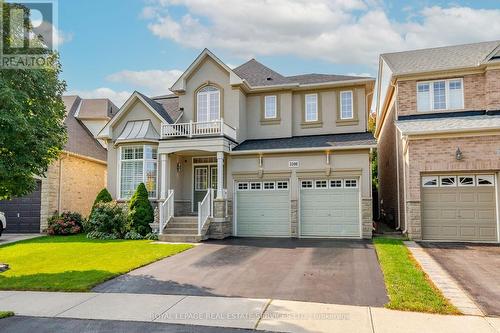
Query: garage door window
[336, 183]
[466, 181]
[255, 186]
[321, 184]
[448, 181]
[242, 186]
[306, 184]
[269, 186]
[352, 183]
[430, 181]
[282, 185]
[485, 180]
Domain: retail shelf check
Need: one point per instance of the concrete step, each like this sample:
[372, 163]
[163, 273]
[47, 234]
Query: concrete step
[180, 231]
[179, 238]
[185, 225]
[185, 219]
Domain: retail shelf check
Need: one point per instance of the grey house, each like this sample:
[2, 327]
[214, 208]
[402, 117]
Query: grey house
[248, 152]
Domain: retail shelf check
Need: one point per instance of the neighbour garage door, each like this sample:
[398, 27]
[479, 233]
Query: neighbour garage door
[329, 208]
[263, 209]
[23, 214]
[459, 208]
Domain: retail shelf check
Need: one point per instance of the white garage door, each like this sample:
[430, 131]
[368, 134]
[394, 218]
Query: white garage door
[263, 209]
[330, 208]
[459, 208]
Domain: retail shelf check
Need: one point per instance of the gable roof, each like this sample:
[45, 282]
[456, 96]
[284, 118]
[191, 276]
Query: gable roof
[257, 74]
[440, 58]
[157, 107]
[96, 108]
[80, 139]
[171, 105]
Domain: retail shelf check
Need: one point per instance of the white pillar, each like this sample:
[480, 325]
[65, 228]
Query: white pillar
[220, 174]
[164, 177]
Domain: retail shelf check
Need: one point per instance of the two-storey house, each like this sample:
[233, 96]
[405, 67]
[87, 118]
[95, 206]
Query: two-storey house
[438, 132]
[248, 152]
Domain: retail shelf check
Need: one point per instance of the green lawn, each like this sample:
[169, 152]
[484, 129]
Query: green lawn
[5, 314]
[75, 263]
[407, 285]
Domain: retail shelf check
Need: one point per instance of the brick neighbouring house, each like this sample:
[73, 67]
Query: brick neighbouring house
[72, 182]
[438, 134]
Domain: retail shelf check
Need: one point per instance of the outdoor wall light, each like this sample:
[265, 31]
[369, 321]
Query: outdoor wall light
[458, 154]
[179, 167]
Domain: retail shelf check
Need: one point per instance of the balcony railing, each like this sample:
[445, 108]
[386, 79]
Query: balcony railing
[198, 129]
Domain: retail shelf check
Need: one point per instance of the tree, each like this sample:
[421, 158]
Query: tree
[141, 212]
[32, 132]
[102, 196]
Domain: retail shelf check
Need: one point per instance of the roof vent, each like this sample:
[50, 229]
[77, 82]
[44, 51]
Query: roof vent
[269, 78]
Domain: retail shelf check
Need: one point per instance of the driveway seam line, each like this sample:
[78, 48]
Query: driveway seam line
[371, 318]
[74, 306]
[161, 314]
[262, 314]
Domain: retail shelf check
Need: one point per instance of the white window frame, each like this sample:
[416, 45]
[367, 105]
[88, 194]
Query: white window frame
[209, 95]
[281, 183]
[321, 181]
[255, 189]
[338, 181]
[451, 177]
[144, 161]
[341, 105]
[245, 185]
[490, 178]
[459, 182]
[305, 108]
[275, 111]
[196, 188]
[268, 183]
[302, 182]
[447, 94]
[351, 180]
[430, 178]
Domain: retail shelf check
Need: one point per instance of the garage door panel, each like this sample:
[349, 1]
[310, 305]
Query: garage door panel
[463, 213]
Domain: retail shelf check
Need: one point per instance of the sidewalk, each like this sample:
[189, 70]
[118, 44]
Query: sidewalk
[260, 314]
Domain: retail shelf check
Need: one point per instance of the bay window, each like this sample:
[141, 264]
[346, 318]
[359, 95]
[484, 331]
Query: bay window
[440, 95]
[138, 164]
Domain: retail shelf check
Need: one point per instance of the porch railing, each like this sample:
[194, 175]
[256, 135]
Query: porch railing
[205, 210]
[166, 211]
[198, 129]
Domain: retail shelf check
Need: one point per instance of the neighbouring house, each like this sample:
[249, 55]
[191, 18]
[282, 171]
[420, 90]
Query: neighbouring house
[72, 182]
[248, 152]
[438, 132]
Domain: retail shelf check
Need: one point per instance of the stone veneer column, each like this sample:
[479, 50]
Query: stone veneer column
[414, 219]
[294, 219]
[367, 217]
[221, 225]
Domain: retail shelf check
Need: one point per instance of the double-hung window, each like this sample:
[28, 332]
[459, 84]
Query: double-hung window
[311, 107]
[138, 164]
[440, 95]
[346, 105]
[270, 107]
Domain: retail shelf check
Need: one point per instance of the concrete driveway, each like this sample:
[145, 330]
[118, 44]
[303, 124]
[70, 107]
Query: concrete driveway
[476, 267]
[326, 271]
[11, 238]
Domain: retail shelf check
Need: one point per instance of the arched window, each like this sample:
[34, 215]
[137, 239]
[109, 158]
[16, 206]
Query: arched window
[208, 104]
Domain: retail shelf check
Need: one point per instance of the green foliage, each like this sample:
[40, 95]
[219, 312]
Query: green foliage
[133, 235]
[5, 314]
[374, 167]
[102, 196]
[32, 132]
[67, 223]
[108, 218]
[141, 212]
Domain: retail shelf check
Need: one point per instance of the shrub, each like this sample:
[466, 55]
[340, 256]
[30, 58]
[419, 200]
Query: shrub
[134, 235]
[66, 223]
[100, 235]
[151, 236]
[108, 218]
[102, 196]
[141, 212]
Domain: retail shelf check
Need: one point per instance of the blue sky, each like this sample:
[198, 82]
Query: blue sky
[111, 47]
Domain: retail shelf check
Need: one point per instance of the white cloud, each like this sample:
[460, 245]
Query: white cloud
[154, 82]
[340, 31]
[117, 97]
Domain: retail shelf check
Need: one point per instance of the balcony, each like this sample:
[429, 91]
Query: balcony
[198, 129]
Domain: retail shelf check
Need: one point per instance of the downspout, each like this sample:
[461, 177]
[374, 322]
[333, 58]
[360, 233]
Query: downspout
[397, 155]
[404, 175]
[59, 190]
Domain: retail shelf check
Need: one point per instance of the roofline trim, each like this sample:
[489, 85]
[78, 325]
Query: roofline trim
[92, 159]
[296, 150]
[449, 131]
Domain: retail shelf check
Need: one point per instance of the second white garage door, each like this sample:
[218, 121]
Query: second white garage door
[263, 209]
[329, 208]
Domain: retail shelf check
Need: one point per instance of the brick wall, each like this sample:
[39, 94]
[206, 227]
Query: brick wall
[475, 92]
[493, 89]
[366, 218]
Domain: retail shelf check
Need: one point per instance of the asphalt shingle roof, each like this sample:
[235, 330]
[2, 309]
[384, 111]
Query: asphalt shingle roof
[158, 108]
[439, 58]
[437, 125]
[80, 139]
[97, 108]
[311, 141]
[170, 103]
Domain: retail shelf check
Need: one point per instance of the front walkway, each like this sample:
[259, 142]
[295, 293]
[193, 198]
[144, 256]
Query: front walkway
[11, 238]
[260, 314]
